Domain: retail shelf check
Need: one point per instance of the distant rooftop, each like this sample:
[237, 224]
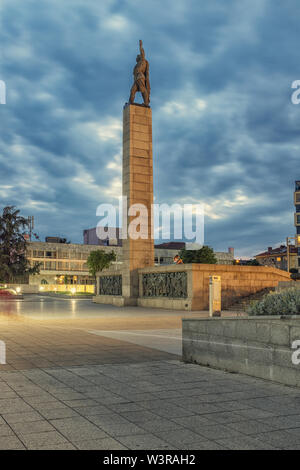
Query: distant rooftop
[280, 250]
[171, 245]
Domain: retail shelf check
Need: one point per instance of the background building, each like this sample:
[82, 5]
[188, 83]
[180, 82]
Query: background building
[90, 237]
[164, 252]
[65, 263]
[297, 219]
[277, 257]
[60, 262]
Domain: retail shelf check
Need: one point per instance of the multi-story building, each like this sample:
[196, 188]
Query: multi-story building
[277, 257]
[297, 220]
[65, 263]
[61, 262]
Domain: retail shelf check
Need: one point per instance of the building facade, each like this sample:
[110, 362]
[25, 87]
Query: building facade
[65, 263]
[297, 220]
[60, 263]
[90, 237]
[277, 257]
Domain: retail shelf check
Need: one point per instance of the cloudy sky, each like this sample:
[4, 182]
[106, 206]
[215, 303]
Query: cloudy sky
[225, 132]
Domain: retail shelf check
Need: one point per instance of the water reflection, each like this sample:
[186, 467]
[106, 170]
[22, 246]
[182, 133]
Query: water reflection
[10, 309]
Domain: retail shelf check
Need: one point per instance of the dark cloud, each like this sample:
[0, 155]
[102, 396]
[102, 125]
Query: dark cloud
[225, 131]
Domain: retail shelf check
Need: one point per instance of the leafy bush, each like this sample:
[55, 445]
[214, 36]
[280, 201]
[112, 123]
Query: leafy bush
[204, 255]
[283, 303]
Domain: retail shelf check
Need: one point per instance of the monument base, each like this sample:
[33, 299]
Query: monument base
[117, 301]
[184, 286]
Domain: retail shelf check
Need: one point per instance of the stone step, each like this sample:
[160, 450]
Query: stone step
[243, 303]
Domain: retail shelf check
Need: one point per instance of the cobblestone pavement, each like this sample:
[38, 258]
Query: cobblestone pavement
[65, 387]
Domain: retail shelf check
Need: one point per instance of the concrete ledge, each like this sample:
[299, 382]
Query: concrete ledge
[109, 299]
[165, 303]
[256, 346]
[118, 301]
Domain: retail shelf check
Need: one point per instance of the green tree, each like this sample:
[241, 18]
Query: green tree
[205, 256]
[13, 260]
[99, 260]
[252, 262]
[249, 262]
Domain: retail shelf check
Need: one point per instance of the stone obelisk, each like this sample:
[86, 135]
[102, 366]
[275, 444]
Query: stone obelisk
[137, 179]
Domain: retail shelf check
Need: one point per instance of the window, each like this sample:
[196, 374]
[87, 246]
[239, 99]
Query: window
[50, 265]
[38, 254]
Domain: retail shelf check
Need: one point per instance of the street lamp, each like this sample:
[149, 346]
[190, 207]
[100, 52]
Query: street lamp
[297, 240]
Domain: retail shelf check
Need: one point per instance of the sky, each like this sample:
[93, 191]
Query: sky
[225, 132]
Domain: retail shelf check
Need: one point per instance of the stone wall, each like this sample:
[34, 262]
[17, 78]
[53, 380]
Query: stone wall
[257, 346]
[186, 286]
[283, 285]
[237, 282]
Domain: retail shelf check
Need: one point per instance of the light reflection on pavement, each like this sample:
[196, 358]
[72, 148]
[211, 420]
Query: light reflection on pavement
[41, 307]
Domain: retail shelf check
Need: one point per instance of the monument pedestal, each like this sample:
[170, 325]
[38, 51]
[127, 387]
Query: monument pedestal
[138, 189]
[121, 286]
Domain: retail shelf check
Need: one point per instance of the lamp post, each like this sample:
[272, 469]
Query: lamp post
[297, 242]
[288, 254]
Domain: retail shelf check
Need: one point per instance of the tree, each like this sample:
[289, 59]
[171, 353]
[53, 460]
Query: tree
[99, 260]
[252, 262]
[248, 262]
[205, 256]
[13, 260]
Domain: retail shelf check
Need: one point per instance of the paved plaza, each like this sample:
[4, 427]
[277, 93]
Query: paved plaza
[85, 376]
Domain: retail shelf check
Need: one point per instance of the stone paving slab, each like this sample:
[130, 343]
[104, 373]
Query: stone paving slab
[65, 416]
[64, 388]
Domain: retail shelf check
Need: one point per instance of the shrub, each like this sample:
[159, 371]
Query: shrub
[204, 255]
[283, 303]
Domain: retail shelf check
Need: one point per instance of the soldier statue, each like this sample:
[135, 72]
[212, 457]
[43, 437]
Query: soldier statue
[141, 78]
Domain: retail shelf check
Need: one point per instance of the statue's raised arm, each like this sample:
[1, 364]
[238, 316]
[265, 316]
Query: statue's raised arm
[142, 50]
[141, 78]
